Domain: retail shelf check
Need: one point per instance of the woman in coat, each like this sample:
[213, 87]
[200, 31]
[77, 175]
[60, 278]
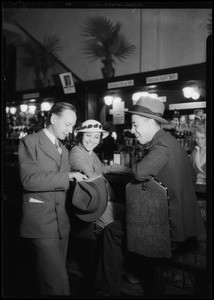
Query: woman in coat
[83, 158]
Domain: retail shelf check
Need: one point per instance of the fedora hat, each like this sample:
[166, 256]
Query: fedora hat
[93, 126]
[151, 108]
[90, 199]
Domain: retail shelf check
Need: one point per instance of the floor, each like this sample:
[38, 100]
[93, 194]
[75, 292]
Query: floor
[19, 279]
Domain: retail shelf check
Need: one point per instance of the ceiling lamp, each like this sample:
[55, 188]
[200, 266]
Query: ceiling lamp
[108, 100]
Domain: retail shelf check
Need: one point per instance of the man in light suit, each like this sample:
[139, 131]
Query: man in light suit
[168, 162]
[45, 176]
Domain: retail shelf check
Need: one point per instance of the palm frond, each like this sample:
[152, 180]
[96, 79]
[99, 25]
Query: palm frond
[121, 48]
[95, 51]
[104, 39]
[98, 27]
[43, 56]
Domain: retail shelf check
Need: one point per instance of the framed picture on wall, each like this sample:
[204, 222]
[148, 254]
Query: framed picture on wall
[67, 83]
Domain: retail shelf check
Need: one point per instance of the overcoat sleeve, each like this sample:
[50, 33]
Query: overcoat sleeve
[152, 163]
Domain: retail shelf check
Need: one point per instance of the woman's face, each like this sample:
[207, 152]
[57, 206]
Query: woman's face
[200, 139]
[90, 140]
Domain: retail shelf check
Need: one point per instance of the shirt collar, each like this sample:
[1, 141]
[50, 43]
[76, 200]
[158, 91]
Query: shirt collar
[49, 135]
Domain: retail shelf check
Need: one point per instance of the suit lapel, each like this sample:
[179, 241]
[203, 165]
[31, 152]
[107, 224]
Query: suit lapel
[49, 148]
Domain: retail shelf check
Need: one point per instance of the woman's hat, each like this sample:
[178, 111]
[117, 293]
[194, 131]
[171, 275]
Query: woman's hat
[93, 126]
[90, 199]
[151, 108]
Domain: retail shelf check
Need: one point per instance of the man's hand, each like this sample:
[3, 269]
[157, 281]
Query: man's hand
[77, 176]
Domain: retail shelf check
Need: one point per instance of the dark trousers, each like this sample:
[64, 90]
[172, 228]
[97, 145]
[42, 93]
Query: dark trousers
[51, 266]
[112, 256]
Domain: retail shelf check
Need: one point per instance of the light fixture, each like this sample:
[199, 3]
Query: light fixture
[153, 95]
[24, 107]
[191, 92]
[136, 96]
[114, 135]
[108, 100]
[45, 106]
[195, 95]
[13, 110]
[7, 109]
[32, 109]
[117, 100]
[187, 91]
[144, 94]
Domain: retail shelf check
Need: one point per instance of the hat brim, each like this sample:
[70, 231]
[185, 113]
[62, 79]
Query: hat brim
[104, 132]
[102, 196]
[157, 118]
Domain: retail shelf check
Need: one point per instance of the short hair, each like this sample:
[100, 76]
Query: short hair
[58, 108]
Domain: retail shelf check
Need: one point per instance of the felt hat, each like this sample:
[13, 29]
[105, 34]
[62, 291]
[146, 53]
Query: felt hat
[151, 108]
[93, 126]
[90, 199]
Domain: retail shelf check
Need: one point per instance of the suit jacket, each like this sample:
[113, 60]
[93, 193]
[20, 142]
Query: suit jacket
[45, 178]
[169, 163]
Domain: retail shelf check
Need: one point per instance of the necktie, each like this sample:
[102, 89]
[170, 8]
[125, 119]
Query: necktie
[58, 146]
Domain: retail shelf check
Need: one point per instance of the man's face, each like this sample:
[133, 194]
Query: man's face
[141, 128]
[63, 125]
[200, 139]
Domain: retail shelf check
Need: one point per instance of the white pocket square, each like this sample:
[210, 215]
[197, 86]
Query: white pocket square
[36, 201]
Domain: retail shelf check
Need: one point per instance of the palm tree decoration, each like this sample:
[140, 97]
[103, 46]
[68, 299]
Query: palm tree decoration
[44, 56]
[105, 42]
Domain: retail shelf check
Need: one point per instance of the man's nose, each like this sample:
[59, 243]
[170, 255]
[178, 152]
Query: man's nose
[70, 130]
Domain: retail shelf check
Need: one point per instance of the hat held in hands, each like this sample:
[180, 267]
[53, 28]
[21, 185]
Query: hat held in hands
[90, 199]
[151, 108]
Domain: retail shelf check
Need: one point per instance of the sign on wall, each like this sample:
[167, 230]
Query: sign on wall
[161, 78]
[67, 83]
[119, 84]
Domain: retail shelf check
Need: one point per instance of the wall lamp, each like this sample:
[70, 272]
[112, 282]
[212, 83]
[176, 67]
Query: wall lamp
[136, 96]
[23, 108]
[46, 106]
[189, 92]
[108, 100]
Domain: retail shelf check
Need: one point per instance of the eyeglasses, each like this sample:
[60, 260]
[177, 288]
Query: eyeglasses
[91, 125]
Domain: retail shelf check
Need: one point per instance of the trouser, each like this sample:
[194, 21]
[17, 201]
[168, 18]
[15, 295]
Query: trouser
[112, 256]
[51, 265]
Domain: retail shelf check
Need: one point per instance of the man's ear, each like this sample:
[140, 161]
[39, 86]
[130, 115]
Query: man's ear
[53, 119]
